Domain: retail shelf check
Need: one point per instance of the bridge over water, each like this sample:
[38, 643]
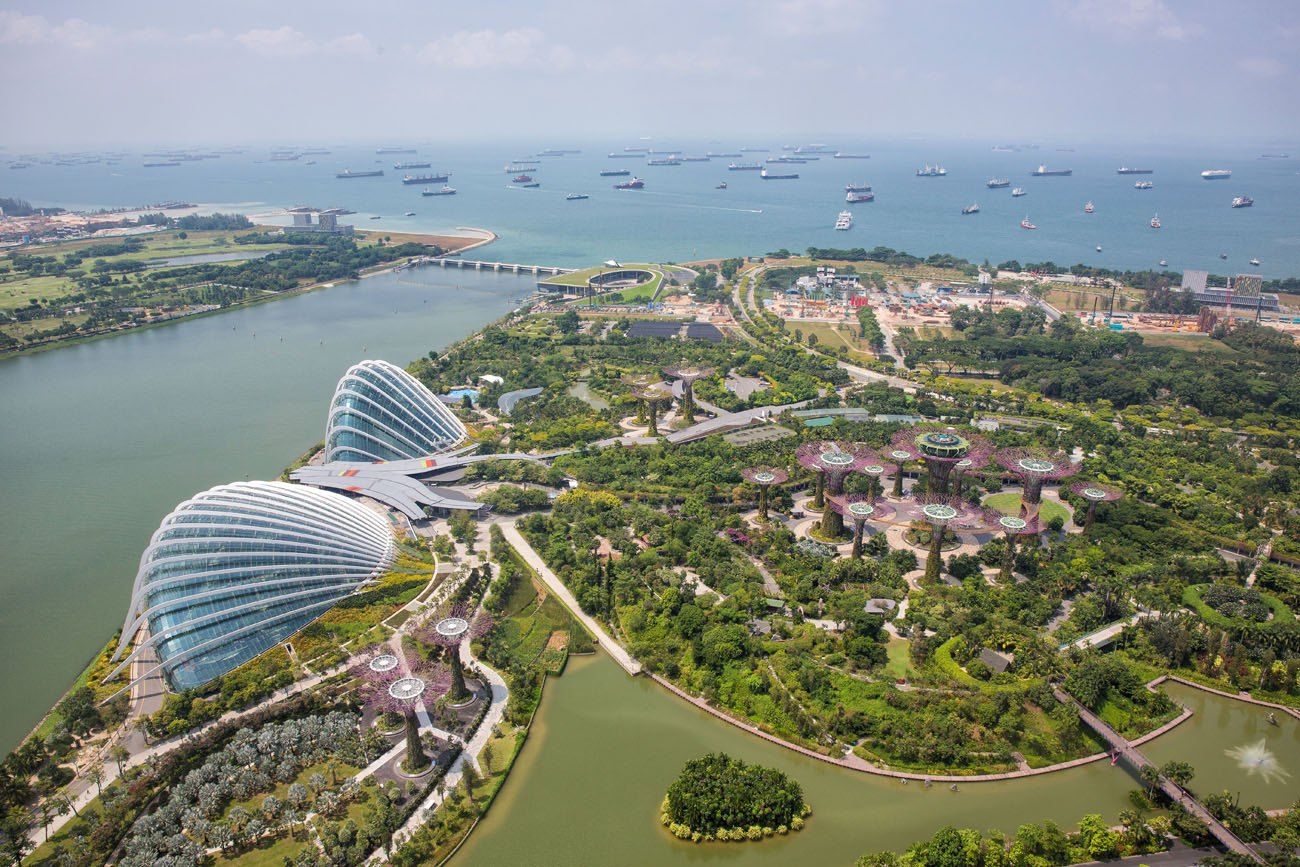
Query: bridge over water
[478, 265]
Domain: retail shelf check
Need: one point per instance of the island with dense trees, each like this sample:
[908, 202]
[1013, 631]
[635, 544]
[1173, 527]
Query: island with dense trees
[718, 797]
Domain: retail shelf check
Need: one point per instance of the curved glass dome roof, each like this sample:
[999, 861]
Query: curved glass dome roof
[239, 568]
[382, 413]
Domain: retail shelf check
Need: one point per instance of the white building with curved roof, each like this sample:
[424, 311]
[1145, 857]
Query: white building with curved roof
[382, 413]
[237, 569]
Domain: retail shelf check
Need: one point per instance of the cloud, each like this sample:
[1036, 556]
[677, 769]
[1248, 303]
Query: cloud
[1264, 67]
[820, 16]
[291, 42]
[1128, 19]
[15, 27]
[517, 48]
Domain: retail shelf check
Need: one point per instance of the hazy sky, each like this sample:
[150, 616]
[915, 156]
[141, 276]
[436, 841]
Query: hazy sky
[562, 70]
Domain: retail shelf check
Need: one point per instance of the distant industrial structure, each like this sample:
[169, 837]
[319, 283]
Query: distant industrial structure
[1242, 292]
[327, 223]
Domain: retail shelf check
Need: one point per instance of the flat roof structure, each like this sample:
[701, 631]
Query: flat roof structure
[750, 436]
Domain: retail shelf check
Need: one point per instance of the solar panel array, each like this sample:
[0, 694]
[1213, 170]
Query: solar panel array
[703, 331]
[651, 328]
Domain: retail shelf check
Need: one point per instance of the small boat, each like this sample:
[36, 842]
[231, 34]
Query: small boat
[1025, 224]
[1155, 222]
[844, 221]
[1243, 202]
[1017, 192]
[521, 179]
[376, 217]
[1223, 255]
[1142, 185]
[721, 186]
[573, 197]
[971, 209]
[1099, 248]
[1272, 718]
[1164, 262]
[1255, 262]
[1089, 208]
[409, 214]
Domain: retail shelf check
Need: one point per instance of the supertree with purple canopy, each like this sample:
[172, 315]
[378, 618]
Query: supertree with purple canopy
[942, 512]
[687, 374]
[652, 395]
[860, 508]
[1094, 493]
[764, 478]
[1013, 528]
[900, 455]
[450, 629]
[1035, 466]
[942, 449]
[391, 688]
[832, 461]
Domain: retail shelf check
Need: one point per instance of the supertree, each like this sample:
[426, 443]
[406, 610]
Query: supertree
[899, 455]
[1035, 466]
[942, 449]
[1013, 528]
[860, 508]
[391, 689]
[832, 461]
[687, 374]
[963, 469]
[941, 512]
[873, 470]
[764, 478]
[651, 394]
[449, 629]
[1094, 493]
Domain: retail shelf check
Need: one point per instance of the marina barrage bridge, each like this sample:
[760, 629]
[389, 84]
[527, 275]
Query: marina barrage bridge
[478, 265]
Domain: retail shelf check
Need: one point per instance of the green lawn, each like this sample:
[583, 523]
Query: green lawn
[900, 658]
[1008, 503]
[644, 292]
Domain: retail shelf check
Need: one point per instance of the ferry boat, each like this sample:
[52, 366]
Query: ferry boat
[867, 196]
[931, 172]
[1025, 224]
[744, 167]
[615, 173]
[1126, 170]
[573, 197]
[402, 166]
[857, 188]
[768, 176]
[1243, 202]
[1216, 174]
[1155, 222]
[841, 155]
[1017, 192]
[1255, 262]
[1044, 172]
[1164, 262]
[998, 183]
[971, 209]
[415, 180]
[844, 221]
[1143, 185]
[521, 179]
[348, 173]
[409, 214]
[634, 184]
[1088, 208]
[444, 191]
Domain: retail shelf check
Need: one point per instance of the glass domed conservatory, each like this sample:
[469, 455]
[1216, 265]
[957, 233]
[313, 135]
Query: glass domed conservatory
[239, 568]
[382, 413]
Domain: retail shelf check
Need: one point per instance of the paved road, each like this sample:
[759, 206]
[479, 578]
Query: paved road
[557, 589]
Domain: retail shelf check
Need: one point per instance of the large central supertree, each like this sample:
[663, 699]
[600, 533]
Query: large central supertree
[858, 509]
[764, 478]
[449, 629]
[395, 689]
[942, 449]
[832, 461]
[1035, 466]
[1013, 528]
[942, 513]
[1094, 493]
[687, 374]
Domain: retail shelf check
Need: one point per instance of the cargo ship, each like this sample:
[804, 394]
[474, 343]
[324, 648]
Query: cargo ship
[726, 156]
[404, 166]
[998, 183]
[634, 184]
[146, 165]
[1142, 185]
[1216, 174]
[439, 178]
[932, 172]
[703, 159]
[573, 197]
[348, 173]
[664, 161]
[445, 191]
[1044, 172]
[857, 188]
[522, 179]
[786, 159]
[614, 173]
[744, 167]
[395, 150]
[754, 150]
[867, 196]
[841, 155]
[1125, 170]
[614, 156]
[1243, 202]
[768, 176]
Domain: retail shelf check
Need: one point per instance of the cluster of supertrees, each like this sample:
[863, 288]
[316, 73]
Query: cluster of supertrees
[449, 630]
[949, 457]
[393, 687]
[687, 374]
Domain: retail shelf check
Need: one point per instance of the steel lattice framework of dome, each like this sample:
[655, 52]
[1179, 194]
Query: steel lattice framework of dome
[381, 413]
[237, 569]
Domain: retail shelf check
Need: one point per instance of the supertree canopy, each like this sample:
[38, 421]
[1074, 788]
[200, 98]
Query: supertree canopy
[943, 512]
[874, 470]
[651, 394]
[687, 374]
[832, 461]
[449, 629]
[1094, 493]
[1035, 466]
[1013, 527]
[764, 478]
[858, 509]
[900, 454]
[392, 688]
[942, 449]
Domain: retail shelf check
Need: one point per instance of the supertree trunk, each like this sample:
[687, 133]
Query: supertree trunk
[762, 502]
[832, 523]
[459, 692]
[652, 414]
[416, 760]
[1008, 560]
[819, 492]
[1092, 516]
[858, 529]
[898, 480]
[1033, 494]
[688, 402]
[934, 560]
[940, 473]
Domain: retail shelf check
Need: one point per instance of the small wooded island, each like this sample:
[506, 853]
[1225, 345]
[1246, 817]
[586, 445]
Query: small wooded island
[718, 797]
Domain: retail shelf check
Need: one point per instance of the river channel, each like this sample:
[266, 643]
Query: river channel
[98, 441]
[604, 748]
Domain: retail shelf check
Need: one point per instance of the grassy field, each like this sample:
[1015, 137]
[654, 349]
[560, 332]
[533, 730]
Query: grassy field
[835, 335]
[1008, 503]
[1191, 342]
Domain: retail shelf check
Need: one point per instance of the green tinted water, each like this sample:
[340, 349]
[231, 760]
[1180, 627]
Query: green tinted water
[605, 747]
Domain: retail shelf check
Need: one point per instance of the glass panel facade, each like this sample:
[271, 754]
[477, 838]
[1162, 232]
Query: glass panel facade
[382, 413]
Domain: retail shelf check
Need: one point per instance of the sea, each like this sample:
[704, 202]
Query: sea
[682, 215]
